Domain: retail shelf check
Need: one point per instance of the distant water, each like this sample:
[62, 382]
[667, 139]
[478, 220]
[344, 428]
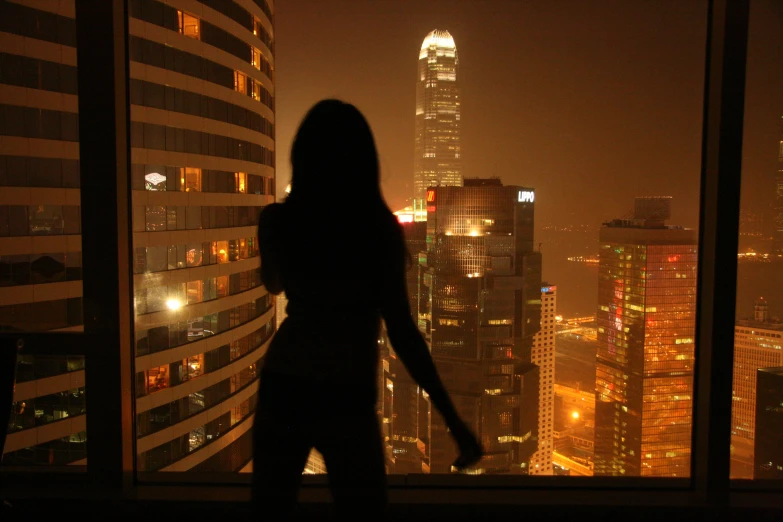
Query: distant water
[577, 283]
[756, 280]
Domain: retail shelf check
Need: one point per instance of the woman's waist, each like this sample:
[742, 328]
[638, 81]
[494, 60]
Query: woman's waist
[321, 308]
[288, 390]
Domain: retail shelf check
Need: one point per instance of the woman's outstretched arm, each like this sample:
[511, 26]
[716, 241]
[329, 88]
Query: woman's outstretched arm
[405, 337]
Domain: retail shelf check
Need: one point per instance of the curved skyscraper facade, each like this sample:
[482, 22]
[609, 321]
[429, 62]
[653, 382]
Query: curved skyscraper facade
[202, 167]
[40, 226]
[438, 151]
[202, 160]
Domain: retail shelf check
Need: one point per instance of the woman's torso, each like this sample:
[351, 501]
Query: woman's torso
[332, 281]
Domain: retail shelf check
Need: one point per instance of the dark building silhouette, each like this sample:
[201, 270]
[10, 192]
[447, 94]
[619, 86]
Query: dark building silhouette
[768, 454]
[480, 308]
[646, 325]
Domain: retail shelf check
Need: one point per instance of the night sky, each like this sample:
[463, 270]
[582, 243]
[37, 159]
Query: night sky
[591, 103]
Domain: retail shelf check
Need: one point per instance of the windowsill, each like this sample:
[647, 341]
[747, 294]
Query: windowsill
[559, 502]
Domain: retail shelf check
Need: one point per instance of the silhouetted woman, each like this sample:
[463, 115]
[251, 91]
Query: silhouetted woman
[339, 255]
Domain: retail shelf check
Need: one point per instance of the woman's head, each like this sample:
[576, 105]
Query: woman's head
[333, 157]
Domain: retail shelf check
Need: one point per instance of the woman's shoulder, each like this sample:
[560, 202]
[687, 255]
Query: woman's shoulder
[270, 219]
[272, 212]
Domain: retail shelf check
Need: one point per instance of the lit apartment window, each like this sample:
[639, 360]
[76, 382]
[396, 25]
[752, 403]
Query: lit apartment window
[256, 94]
[155, 181]
[255, 27]
[195, 291]
[188, 25]
[220, 251]
[157, 378]
[256, 62]
[241, 182]
[240, 82]
[222, 283]
[195, 365]
[189, 179]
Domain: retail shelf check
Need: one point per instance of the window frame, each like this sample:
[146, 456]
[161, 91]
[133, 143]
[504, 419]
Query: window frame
[103, 24]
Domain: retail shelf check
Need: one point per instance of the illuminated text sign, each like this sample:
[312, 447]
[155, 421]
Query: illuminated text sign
[430, 196]
[526, 196]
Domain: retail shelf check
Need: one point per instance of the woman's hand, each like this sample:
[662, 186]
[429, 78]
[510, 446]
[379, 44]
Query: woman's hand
[470, 451]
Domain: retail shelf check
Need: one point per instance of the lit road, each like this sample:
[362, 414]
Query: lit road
[575, 467]
[587, 397]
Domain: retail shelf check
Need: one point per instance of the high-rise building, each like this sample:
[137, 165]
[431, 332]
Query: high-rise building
[543, 356]
[438, 152]
[202, 154]
[769, 422]
[758, 343]
[646, 324]
[202, 167]
[40, 226]
[482, 306]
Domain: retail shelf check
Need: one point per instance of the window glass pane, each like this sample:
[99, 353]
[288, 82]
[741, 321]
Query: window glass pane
[46, 220]
[156, 218]
[189, 25]
[191, 181]
[47, 268]
[757, 385]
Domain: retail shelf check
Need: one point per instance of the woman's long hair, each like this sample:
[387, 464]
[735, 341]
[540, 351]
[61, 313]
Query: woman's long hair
[334, 163]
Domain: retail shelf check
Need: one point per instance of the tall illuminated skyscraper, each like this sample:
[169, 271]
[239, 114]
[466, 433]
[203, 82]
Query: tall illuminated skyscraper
[543, 356]
[438, 151]
[482, 281]
[646, 325]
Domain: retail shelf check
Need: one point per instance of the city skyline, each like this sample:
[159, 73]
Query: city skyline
[563, 106]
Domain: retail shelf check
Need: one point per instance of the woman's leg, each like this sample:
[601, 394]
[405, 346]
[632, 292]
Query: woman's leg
[280, 449]
[353, 454]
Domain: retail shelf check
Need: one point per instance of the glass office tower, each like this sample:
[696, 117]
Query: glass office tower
[202, 168]
[543, 356]
[482, 282]
[437, 156]
[40, 226]
[646, 325]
